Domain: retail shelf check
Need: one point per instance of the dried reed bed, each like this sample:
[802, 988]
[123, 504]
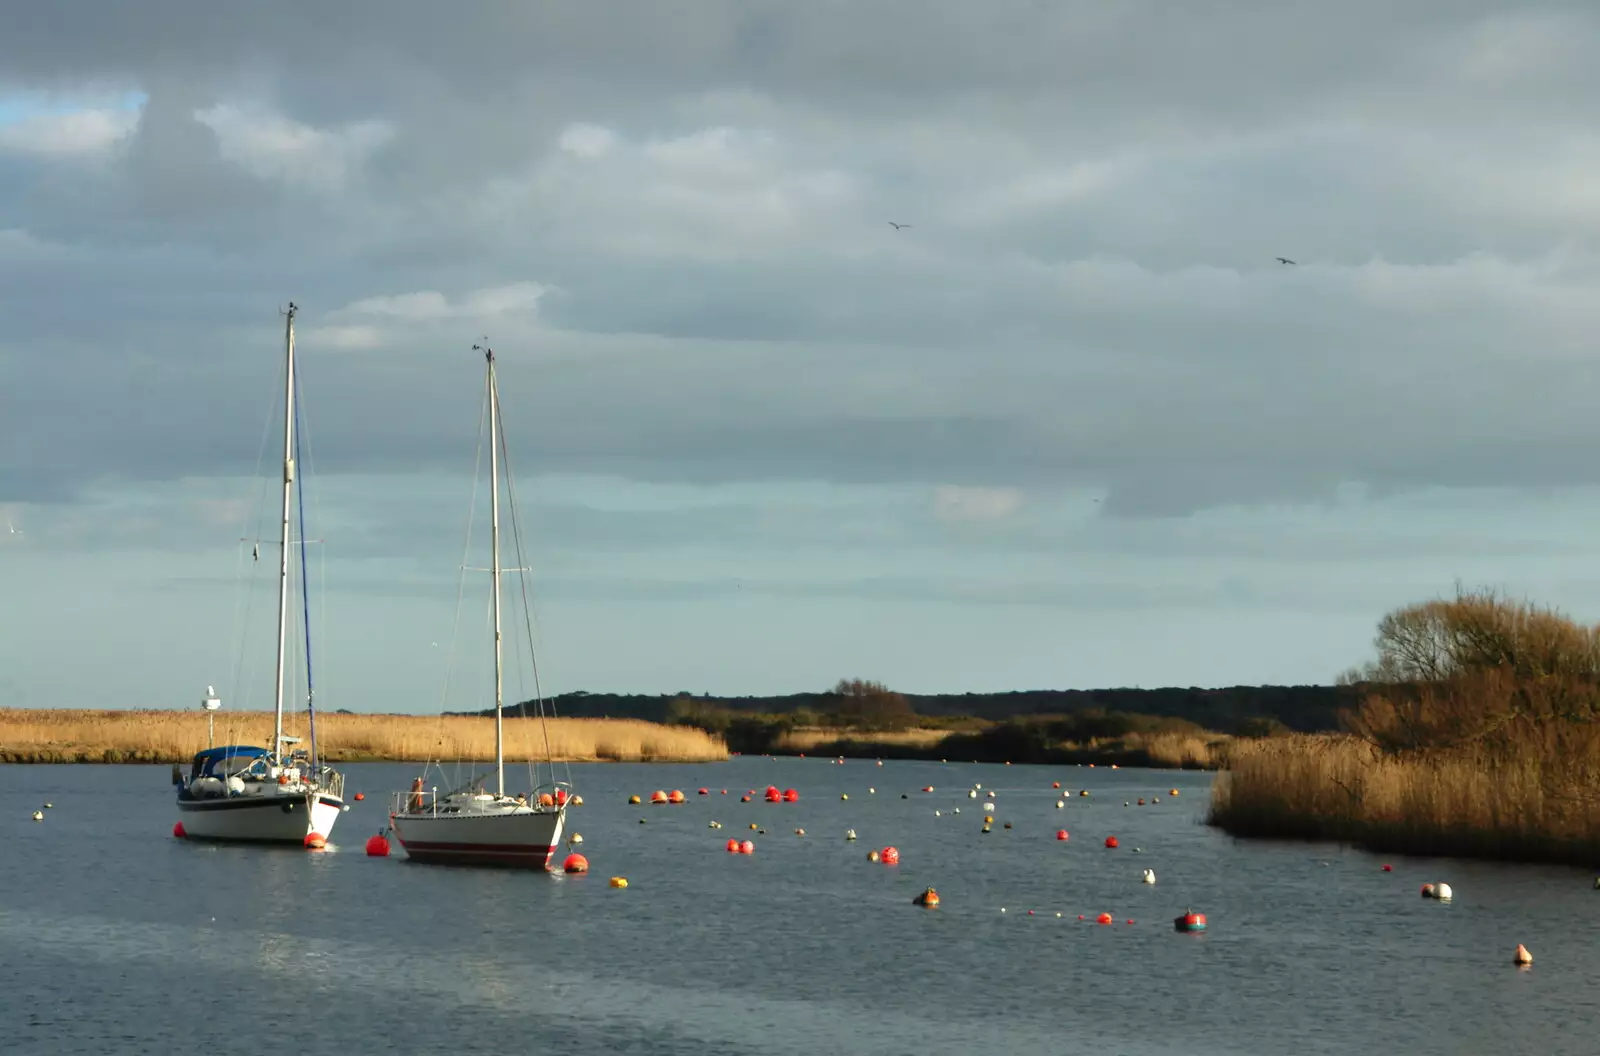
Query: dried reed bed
[809, 738]
[59, 736]
[1342, 788]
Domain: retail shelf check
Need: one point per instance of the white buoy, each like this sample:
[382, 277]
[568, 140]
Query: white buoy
[38, 815]
[936, 814]
[1522, 957]
[1149, 876]
[977, 786]
[991, 793]
[988, 808]
[958, 810]
[1060, 804]
[575, 839]
[872, 791]
[972, 793]
[849, 834]
[1442, 892]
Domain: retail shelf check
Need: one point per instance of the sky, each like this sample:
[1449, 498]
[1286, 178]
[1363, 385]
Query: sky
[1073, 427]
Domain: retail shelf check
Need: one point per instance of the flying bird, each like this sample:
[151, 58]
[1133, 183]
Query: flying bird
[897, 226]
[1285, 260]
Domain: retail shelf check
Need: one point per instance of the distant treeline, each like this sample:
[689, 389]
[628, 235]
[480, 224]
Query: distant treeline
[1250, 711]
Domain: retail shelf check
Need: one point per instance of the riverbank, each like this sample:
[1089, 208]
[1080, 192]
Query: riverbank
[1016, 742]
[47, 735]
[1342, 789]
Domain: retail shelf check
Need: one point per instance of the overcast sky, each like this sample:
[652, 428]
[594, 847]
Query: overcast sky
[1075, 426]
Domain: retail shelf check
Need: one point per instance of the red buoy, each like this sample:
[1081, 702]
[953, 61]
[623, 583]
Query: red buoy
[703, 792]
[1104, 918]
[773, 795]
[360, 796]
[575, 863]
[378, 846]
[315, 841]
[733, 846]
[1061, 834]
[1190, 921]
[1388, 868]
[561, 797]
[1111, 842]
[675, 796]
[747, 847]
[1055, 784]
[177, 831]
[891, 856]
[791, 796]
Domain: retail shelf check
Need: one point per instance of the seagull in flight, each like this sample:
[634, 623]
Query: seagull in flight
[897, 226]
[1285, 260]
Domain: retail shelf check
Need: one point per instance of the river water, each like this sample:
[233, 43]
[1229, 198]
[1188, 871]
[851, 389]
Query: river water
[117, 938]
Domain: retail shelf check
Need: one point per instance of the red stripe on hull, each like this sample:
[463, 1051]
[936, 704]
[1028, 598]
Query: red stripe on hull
[526, 856]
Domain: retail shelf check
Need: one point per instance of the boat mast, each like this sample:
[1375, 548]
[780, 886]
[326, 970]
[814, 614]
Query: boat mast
[283, 538]
[494, 572]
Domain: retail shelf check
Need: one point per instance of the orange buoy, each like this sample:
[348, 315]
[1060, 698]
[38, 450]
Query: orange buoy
[1427, 890]
[1172, 791]
[657, 798]
[178, 831]
[744, 799]
[747, 847]
[791, 796]
[675, 796]
[546, 799]
[283, 779]
[378, 846]
[575, 863]
[360, 796]
[633, 800]
[1111, 842]
[1522, 957]
[873, 856]
[733, 846]
[1061, 834]
[315, 841]
[1104, 918]
[929, 898]
[891, 856]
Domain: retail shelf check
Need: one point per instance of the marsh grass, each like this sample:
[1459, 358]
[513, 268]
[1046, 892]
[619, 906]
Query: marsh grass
[1341, 788]
[39, 735]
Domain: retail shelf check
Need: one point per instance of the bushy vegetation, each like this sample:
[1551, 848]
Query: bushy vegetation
[1477, 732]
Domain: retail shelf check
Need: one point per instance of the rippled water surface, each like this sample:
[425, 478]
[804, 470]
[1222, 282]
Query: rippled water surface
[114, 937]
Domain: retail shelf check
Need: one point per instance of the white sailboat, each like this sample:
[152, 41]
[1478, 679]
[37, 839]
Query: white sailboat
[280, 794]
[468, 825]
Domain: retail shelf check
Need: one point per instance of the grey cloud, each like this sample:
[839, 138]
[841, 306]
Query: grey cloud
[1087, 295]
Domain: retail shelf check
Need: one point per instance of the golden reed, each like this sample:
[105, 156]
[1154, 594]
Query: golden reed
[43, 735]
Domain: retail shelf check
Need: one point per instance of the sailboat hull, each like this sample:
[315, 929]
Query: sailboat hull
[288, 818]
[525, 840]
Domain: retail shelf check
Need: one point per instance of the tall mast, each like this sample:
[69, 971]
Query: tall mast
[494, 571]
[283, 538]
